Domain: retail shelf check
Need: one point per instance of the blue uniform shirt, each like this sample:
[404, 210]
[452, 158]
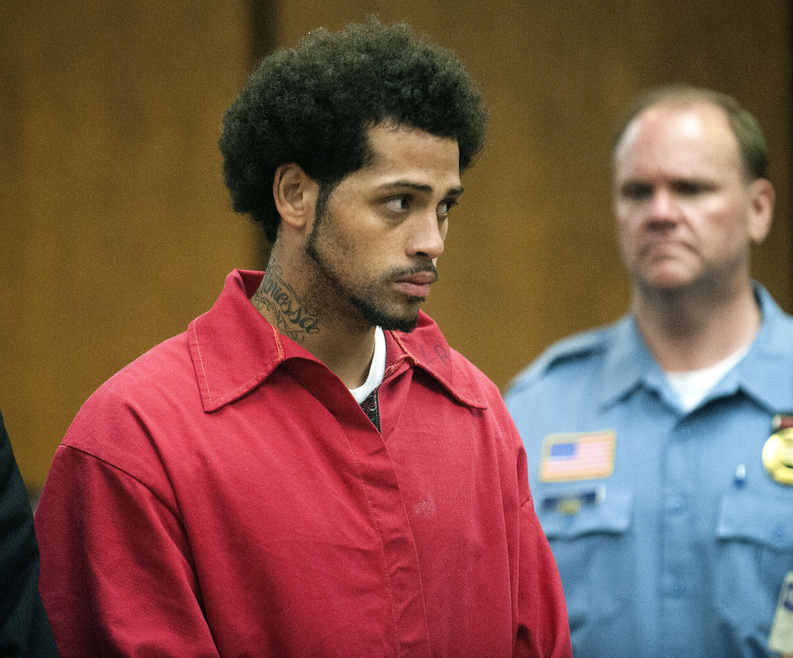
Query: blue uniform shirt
[682, 549]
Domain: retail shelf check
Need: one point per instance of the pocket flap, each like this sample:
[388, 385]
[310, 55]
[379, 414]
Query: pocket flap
[760, 519]
[612, 515]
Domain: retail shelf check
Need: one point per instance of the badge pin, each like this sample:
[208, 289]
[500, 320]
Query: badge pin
[778, 456]
[570, 503]
[740, 476]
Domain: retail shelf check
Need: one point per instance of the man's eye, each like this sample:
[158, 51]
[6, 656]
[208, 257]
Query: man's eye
[398, 203]
[445, 206]
[690, 188]
[636, 192]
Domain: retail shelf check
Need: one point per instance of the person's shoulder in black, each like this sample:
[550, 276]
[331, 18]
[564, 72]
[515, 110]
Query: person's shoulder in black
[24, 628]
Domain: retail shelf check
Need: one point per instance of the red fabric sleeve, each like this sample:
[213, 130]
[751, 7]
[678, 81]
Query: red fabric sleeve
[543, 627]
[116, 573]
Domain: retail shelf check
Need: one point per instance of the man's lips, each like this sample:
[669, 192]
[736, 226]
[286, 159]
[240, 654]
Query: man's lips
[664, 247]
[416, 285]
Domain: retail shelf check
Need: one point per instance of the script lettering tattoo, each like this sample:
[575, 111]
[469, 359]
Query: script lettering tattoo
[293, 319]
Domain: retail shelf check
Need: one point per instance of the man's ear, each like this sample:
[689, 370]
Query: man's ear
[295, 194]
[761, 210]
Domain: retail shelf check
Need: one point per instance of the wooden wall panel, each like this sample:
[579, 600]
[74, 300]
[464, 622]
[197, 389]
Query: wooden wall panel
[531, 254]
[115, 226]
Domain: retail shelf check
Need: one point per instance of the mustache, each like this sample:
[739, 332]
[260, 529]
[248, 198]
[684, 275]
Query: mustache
[417, 268]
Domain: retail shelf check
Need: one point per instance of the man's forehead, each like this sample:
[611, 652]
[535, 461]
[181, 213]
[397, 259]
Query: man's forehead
[693, 119]
[686, 137]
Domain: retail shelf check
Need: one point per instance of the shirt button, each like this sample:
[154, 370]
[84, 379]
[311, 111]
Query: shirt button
[780, 535]
[676, 505]
[675, 587]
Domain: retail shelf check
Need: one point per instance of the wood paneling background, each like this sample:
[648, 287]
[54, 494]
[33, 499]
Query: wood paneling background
[115, 228]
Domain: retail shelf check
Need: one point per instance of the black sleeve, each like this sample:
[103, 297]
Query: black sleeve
[24, 628]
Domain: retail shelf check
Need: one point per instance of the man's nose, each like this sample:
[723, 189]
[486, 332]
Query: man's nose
[427, 235]
[663, 205]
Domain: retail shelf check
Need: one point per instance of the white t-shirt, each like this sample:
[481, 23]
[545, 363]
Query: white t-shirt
[692, 386]
[376, 370]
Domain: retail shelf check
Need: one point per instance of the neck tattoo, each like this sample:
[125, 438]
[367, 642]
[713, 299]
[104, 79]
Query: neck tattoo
[292, 317]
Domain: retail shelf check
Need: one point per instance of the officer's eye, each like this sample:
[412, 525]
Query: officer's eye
[634, 191]
[691, 187]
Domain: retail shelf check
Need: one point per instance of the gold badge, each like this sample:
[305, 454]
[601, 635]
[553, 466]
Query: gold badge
[778, 456]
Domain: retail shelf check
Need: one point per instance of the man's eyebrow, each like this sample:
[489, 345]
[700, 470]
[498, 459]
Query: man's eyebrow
[457, 190]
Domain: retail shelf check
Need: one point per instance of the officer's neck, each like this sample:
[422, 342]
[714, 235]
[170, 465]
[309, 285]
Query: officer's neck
[693, 329]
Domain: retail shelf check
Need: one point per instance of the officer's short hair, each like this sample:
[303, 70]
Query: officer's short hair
[751, 142]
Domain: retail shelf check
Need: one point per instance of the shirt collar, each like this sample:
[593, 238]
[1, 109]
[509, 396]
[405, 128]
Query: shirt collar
[765, 373]
[234, 349]
[427, 348]
[628, 363]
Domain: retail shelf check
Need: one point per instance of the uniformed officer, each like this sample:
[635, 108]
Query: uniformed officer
[658, 447]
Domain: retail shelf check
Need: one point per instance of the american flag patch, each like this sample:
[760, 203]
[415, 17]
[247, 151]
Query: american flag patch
[577, 456]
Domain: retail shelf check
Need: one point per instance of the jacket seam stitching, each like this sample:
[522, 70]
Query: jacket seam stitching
[115, 467]
[232, 394]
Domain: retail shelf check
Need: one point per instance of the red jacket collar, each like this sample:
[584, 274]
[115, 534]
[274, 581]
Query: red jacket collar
[234, 349]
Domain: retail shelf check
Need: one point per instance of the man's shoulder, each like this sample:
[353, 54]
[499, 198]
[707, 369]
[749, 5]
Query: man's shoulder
[164, 363]
[153, 383]
[577, 353]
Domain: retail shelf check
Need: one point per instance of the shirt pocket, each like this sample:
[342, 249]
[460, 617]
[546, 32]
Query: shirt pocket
[595, 562]
[754, 537]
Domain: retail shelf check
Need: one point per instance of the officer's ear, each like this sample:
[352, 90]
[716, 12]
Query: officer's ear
[295, 194]
[761, 209]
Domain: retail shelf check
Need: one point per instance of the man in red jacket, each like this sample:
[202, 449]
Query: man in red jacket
[310, 469]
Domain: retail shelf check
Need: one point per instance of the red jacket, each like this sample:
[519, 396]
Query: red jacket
[224, 495]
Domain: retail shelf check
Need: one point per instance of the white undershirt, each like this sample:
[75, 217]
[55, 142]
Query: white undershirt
[692, 386]
[376, 370]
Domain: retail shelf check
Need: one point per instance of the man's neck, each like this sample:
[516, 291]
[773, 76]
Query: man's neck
[345, 347]
[693, 329]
